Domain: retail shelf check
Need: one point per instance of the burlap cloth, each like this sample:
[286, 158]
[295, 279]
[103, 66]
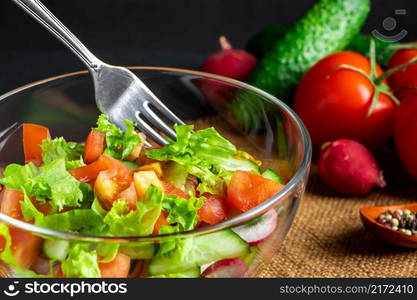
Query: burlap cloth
[327, 238]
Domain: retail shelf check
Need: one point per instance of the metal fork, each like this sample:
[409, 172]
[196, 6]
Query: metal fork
[118, 92]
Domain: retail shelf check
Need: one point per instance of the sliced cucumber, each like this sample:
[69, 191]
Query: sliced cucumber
[199, 251]
[250, 257]
[241, 164]
[192, 273]
[56, 249]
[176, 174]
[271, 174]
[139, 252]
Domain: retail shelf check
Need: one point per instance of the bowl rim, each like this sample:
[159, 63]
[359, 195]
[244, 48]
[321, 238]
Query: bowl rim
[300, 173]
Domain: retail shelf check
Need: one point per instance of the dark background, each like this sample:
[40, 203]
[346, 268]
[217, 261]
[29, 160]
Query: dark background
[176, 33]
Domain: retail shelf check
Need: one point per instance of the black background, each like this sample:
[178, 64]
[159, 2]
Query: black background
[177, 33]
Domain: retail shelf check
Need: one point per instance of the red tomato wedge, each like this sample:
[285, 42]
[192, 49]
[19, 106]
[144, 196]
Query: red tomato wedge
[94, 146]
[213, 210]
[33, 135]
[90, 172]
[246, 190]
[10, 203]
[130, 196]
[117, 268]
[25, 247]
[170, 189]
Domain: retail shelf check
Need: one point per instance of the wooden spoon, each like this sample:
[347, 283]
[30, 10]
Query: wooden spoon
[369, 215]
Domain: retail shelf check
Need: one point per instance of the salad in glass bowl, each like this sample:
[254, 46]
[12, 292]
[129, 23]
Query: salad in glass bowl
[113, 185]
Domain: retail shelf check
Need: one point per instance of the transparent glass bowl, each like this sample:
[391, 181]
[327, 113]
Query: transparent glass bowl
[253, 120]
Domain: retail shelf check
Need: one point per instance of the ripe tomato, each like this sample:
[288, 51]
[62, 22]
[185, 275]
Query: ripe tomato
[118, 268]
[25, 247]
[213, 210]
[94, 146]
[33, 135]
[405, 133]
[246, 190]
[333, 103]
[406, 77]
[170, 189]
[162, 221]
[90, 172]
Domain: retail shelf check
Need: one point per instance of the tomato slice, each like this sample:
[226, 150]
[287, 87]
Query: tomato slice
[246, 190]
[117, 268]
[213, 210]
[90, 172]
[94, 146]
[33, 135]
[170, 189]
[25, 247]
[10, 203]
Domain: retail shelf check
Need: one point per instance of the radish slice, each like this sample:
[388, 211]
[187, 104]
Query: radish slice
[226, 268]
[259, 229]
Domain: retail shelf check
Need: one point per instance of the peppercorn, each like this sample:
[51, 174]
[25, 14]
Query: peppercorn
[404, 221]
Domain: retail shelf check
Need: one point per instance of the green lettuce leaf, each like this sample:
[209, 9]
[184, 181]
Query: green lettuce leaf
[140, 221]
[85, 221]
[15, 176]
[81, 262]
[182, 212]
[6, 255]
[119, 144]
[59, 148]
[203, 153]
[51, 181]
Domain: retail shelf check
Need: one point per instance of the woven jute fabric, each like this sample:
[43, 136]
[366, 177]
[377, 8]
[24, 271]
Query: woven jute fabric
[327, 238]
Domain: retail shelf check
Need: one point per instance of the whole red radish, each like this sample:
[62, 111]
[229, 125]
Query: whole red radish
[349, 168]
[405, 133]
[229, 62]
[402, 80]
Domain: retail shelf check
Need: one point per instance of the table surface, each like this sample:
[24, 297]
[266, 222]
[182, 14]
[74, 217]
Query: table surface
[327, 238]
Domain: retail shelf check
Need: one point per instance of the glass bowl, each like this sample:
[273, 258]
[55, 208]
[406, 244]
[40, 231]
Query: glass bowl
[253, 120]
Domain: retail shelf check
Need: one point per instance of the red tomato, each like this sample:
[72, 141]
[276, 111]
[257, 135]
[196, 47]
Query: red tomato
[94, 146]
[130, 196]
[33, 135]
[405, 133]
[406, 77]
[333, 103]
[117, 268]
[246, 190]
[25, 247]
[213, 210]
[10, 203]
[170, 189]
[90, 172]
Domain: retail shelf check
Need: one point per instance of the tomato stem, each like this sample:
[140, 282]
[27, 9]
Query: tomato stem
[391, 71]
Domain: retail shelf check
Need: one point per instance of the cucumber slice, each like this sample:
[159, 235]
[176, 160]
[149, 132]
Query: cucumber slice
[241, 164]
[271, 174]
[56, 249]
[250, 257]
[199, 251]
[139, 252]
[176, 174]
[192, 273]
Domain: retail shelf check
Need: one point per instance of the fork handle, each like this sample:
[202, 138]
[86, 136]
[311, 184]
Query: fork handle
[41, 14]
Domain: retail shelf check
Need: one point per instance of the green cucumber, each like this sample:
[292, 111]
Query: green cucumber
[328, 26]
[139, 252]
[198, 251]
[56, 249]
[271, 174]
[264, 41]
[192, 273]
